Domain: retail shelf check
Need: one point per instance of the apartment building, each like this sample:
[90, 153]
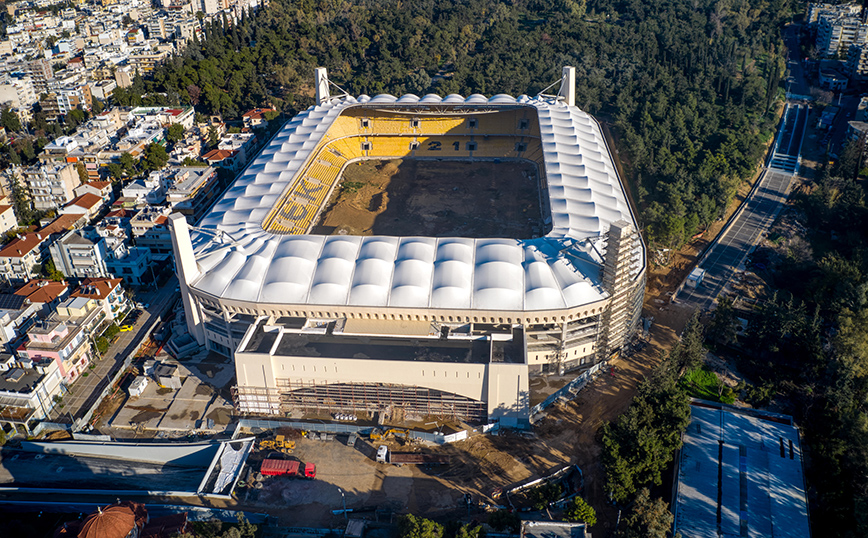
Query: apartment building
[21, 259]
[65, 337]
[857, 62]
[835, 34]
[108, 294]
[50, 185]
[133, 264]
[18, 92]
[27, 390]
[815, 11]
[150, 228]
[243, 143]
[193, 191]
[80, 254]
[7, 219]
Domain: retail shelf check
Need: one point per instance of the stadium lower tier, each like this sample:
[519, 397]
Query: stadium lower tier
[298, 207]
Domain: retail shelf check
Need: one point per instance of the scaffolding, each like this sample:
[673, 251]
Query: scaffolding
[395, 400]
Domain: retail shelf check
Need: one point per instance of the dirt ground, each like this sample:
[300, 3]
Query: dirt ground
[434, 199]
[479, 465]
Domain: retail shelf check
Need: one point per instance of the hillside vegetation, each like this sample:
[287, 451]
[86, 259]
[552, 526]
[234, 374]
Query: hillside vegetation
[689, 84]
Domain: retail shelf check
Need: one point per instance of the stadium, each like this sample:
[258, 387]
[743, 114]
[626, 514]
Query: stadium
[416, 257]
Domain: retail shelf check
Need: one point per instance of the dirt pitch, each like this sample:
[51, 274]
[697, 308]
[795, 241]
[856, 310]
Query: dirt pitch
[435, 198]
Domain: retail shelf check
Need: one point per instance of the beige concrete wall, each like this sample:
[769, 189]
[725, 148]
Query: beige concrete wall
[508, 392]
[262, 370]
[503, 386]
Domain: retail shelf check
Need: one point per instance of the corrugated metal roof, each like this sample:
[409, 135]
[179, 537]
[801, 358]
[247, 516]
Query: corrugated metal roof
[739, 477]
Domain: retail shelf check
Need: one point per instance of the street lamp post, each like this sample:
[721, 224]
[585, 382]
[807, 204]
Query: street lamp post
[344, 499]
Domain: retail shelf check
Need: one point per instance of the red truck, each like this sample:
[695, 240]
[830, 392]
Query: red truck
[292, 469]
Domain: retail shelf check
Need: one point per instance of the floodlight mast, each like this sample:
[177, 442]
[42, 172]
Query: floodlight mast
[567, 91]
[323, 93]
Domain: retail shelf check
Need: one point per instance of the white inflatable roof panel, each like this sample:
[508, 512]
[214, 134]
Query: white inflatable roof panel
[239, 260]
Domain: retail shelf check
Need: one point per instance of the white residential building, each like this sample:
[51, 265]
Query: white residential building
[837, 33]
[50, 185]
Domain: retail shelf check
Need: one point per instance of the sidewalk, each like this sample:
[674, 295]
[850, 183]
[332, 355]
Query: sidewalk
[85, 392]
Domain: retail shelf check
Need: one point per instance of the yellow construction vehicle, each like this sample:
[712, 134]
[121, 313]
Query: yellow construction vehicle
[378, 435]
[278, 443]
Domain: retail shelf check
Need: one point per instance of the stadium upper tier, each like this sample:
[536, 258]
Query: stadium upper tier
[245, 250]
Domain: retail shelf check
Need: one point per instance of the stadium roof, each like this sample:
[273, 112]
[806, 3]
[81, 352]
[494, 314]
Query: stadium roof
[239, 260]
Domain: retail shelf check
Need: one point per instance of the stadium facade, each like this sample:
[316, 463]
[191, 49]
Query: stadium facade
[413, 327]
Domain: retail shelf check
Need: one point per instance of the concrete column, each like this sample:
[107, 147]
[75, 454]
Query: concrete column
[567, 93]
[322, 85]
[188, 271]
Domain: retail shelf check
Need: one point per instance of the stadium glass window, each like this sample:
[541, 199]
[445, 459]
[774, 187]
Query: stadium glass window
[366, 146]
[472, 123]
[414, 123]
[366, 123]
[523, 124]
[471, 146]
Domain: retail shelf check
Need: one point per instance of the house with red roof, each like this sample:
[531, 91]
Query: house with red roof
[256, 117]
[21, 259]
[223, 158]
[88, 204]
[7, 219]
[107, 292]
[44, 294]
[103, 189]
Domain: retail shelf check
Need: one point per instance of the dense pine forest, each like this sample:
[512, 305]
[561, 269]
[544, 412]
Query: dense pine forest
[689, 85]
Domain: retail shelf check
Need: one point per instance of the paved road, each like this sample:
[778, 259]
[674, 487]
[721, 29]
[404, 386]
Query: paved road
[85, 391]
[729, 252]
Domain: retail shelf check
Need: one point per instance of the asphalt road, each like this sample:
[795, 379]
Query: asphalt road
[796, 82]
[725, 256]
[85, 391]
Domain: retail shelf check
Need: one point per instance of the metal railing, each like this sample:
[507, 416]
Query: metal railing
[568, 390]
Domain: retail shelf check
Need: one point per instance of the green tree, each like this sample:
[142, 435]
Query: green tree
[545, 494]
[503, 520]
[723, 327]
[116, 171]
[51, 272]
[647, 518]
[641, 443]
[82, 172]
[128, 163]
[579, 510]
[468, 530]
[410, 526]
[245, 528]
[21, 202]
[213, 137]
[175, 133]
[688, 352]
[155, 157]
[9, 120]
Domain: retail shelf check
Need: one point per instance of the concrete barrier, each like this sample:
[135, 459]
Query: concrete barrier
[185, 455]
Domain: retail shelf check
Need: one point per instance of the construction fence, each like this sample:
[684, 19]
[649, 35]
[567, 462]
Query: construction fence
[321, 427]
